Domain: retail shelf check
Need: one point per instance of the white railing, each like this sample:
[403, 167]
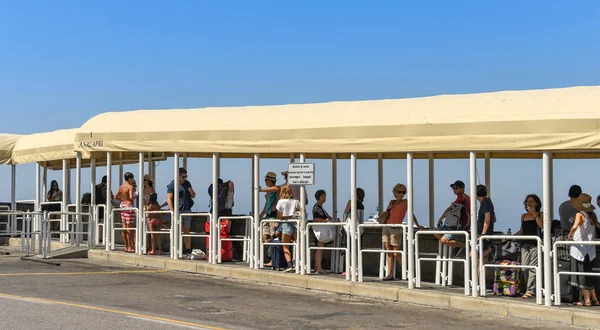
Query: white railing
[295, 244]
[97, 224]
[27, 232]
[332, 248]
[443, 256]
[75, 232]
[391, 269]
[538, 267]
[169, 232]
[246, 238]
[113, 229]
[557, 274]
[7, 224]
[181, 235]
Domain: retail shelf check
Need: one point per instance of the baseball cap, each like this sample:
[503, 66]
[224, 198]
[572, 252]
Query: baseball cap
[457, 184]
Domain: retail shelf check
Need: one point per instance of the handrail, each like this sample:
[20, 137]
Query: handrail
[146, 222]
[296, 243]
[246, 239]
[97, 223]
[557, 274]
[383, 251]
[538, 267]
[112, 225]
[346, 249]
[465, 261]
[181, 235]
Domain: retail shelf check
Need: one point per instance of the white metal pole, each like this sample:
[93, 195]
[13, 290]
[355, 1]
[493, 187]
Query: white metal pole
[334, 203]
[380, 204]
[78, 236]
[473, 193]
[488, 177]
[305, 268]
[256, 210]
[185, 161]
[334, 194]
[95, 236]
[547, 173]
[65, 199]
[410, 212]
[13, 197]
[175, 223]
[353, 218]
[37, 187]
[108, 219]
[121, 179]
[432, 190]
[140, 242]
[214, 231]
[44, 182]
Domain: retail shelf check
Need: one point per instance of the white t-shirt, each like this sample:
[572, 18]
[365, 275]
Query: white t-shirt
[288, 207]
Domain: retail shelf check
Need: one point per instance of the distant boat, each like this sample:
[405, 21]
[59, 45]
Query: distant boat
[372, 218]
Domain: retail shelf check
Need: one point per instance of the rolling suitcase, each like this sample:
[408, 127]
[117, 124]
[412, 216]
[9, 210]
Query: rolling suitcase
[507, 280]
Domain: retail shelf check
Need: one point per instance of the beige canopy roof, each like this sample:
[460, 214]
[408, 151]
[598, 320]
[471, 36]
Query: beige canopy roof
[510, 124]
[7, 144]
[51, 148]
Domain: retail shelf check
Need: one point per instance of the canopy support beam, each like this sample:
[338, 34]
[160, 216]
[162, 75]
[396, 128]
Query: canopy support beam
[256, 209]
[432, 190]
[473, 194]
[411, 220]
[547, 172]
[353, 218]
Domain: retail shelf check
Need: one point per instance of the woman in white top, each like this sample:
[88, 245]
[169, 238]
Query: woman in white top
[584, 229]
[287, 208]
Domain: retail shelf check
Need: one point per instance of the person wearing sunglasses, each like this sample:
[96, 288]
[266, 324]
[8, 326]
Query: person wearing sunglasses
[186, 193]
[392, 236]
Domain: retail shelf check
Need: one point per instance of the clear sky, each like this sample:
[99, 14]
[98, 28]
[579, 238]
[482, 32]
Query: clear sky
[62, 62]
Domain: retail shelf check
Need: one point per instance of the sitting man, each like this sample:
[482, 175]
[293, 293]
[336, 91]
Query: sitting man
[456, 215]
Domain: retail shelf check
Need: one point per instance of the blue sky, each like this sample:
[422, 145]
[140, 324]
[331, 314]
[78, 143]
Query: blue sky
[62, 62]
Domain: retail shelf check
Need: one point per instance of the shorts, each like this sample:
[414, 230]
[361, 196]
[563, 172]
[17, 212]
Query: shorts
[486, 244]
[288, 228]
[391, 235]
[155, 222]
[186, 221]
[128, 217]
[268, 228]
[225, 212]
[450, 237]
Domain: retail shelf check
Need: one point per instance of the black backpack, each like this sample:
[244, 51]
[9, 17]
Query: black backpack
[223, 189]
[100, 194]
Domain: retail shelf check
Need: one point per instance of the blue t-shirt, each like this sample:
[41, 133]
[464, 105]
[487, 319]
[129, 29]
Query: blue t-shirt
[171, 190]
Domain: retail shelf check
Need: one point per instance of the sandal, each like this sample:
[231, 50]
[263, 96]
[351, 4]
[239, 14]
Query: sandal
[587, 304]
[595, 302]
[160, 252]
[577, 303]
[387, 279]
[150, 253]
[527, 296]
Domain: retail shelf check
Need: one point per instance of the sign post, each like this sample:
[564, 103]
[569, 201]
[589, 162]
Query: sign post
[301, 174]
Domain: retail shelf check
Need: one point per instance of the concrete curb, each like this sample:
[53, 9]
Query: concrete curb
[446, 300]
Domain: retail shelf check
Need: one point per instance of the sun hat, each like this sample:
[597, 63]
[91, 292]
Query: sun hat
[147, 177]
[584, 203]
[271, 176]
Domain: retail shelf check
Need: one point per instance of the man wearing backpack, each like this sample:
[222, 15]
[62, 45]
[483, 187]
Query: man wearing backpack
[225, 200]
[456, 215]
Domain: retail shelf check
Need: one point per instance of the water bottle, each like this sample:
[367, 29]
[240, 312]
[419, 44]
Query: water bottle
[508, 232]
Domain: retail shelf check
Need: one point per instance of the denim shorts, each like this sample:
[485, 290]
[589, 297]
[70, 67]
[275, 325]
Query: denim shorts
[288, 228]
[450, 237]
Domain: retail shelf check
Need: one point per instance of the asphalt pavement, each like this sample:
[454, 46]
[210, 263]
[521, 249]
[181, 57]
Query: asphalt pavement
[82, 294]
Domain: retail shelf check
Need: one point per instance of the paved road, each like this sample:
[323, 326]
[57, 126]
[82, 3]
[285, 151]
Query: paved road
[83, 294]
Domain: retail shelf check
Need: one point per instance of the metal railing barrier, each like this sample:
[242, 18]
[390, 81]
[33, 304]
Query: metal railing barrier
[443, 256]
[113, 229]
[344, 225]
[204, 235]
[557, 274]
[246, 238]
[169, 232]
[97, 232]
[28, 235]
[75, 231]
[294, 243]
[390, 269]
[538, 267]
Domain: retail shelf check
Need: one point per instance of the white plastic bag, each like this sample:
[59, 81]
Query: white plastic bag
[324, 234]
